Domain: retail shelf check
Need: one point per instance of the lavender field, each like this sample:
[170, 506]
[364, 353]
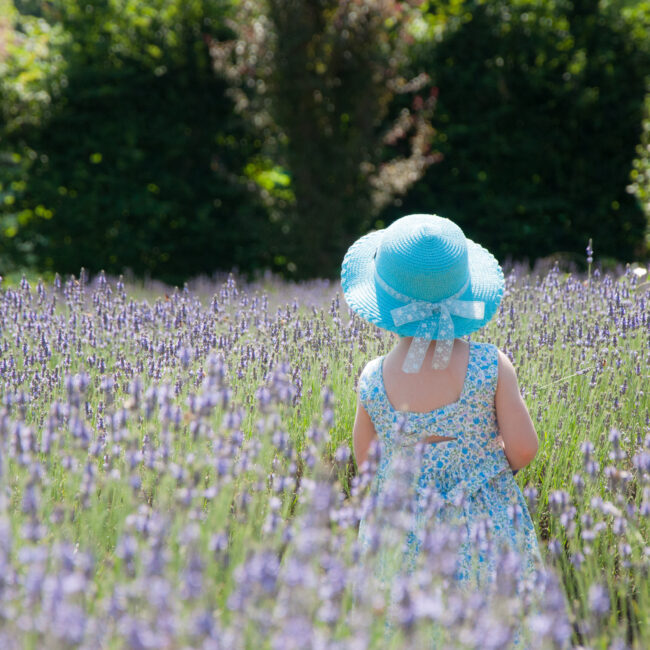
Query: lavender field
[176, 473]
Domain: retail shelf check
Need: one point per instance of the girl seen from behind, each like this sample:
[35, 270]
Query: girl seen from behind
[445, 413]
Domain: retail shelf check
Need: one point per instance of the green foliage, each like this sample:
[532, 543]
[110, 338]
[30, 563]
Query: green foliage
[26, 64]
[330, 96]
[179, 137]
[156, 182]
[639, 15]
[328, 80]
[640, 175]
[538, 118]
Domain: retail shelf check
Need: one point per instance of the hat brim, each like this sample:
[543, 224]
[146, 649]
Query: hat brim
[367, 298]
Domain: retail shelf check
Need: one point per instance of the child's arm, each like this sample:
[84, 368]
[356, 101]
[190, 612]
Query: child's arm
[363, 434]
[515, 426]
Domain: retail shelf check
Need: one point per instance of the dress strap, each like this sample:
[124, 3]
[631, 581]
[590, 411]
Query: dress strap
[493, 367]
[467, 382]
[481, 378]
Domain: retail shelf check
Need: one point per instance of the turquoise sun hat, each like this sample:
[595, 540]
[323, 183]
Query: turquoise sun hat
[422, 277]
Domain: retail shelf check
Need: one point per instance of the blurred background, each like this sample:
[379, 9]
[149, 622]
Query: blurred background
[174, 138]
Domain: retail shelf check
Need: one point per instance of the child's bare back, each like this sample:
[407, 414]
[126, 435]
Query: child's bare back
[430, 389]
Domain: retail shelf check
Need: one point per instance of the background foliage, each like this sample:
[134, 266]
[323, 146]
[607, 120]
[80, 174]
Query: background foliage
[177, 138]
[538, 118]
[325, 80]
[136, 158]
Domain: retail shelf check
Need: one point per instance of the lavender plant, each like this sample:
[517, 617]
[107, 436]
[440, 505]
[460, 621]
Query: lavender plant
[175, 472]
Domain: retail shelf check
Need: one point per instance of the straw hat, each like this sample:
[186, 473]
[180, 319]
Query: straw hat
[422, 277]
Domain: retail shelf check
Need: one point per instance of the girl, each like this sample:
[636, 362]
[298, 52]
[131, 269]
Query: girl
[447, 413]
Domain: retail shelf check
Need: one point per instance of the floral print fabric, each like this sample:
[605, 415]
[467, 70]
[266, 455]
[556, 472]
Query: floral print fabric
[465, 484]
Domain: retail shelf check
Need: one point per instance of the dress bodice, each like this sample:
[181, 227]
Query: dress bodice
[448, 468]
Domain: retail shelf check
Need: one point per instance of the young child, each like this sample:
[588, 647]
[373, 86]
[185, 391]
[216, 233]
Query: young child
[456, 401]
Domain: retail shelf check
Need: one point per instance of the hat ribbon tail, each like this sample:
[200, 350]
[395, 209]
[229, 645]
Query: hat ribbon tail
[444, 333]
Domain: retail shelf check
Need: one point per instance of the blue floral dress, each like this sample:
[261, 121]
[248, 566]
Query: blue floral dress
[468, 478]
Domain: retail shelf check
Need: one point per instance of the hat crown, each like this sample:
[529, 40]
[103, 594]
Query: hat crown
[424, 257]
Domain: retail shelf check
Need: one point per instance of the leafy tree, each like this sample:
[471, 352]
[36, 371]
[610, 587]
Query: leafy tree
[538, 118]
[324, 80]
[26, 65]
[640, 175]
[121, 147]
[139, 159]
[639, 17]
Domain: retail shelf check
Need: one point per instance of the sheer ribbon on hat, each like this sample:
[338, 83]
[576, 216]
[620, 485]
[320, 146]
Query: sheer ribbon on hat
[423, 312]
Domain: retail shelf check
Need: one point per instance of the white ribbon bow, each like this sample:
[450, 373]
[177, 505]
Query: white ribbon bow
[443, 331]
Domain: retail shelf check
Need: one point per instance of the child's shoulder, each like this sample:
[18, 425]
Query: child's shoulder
[370, 369]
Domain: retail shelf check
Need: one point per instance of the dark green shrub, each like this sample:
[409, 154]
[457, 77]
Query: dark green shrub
[330, 89]
[538, 117]
[139, 160]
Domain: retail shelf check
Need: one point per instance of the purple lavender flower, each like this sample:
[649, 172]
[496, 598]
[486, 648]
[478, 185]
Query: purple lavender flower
[599, 600]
